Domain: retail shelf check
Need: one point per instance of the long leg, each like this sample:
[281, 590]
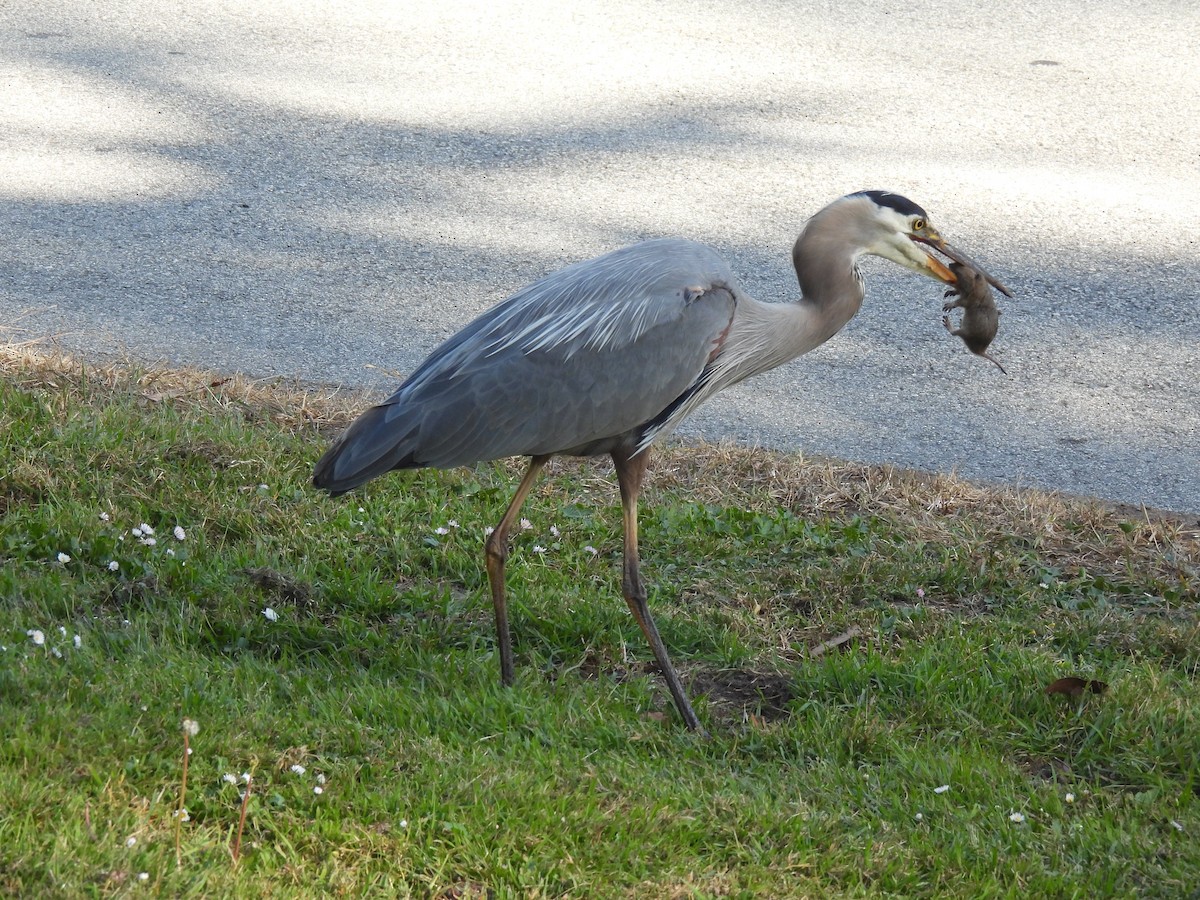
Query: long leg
[496, 552]
[630, 471]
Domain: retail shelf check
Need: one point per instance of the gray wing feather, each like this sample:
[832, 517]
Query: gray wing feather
[586, 354]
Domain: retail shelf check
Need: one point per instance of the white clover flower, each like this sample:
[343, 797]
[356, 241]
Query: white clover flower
[318, 790]
[171, 552]
[149, 542]
[146, 529]
[179, 533]
[1178, 826]
[113, 565]
[191, 726]
[299, 769]
[56, 652]
[1070, 798]
[538, 548]
[554, 532]
[487, 532]
[271, 614]
[143, 876]
[246, 777]
[136, 532]
[526, 524]
[36, 636]
[441, 530]
[941, 789]
[129, 842]
[78, 641]
[919, 816]
[320, 778]
[452, 523]
[404, 823]
[920, 593]
[1016, 817]
[592, 550]
[104, 517]
[63, 558]
[229, 778]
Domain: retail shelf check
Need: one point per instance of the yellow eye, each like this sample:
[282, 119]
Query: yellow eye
[918, 225]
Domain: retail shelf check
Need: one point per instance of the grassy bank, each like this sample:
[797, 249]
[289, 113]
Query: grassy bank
[341, 654]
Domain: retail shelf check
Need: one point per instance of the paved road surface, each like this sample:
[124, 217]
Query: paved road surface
[327, 190]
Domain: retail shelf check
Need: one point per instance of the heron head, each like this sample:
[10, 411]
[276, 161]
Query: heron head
[896, 228]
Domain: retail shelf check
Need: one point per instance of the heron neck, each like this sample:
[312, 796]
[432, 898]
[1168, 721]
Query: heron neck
[831, 287]
[766, 335]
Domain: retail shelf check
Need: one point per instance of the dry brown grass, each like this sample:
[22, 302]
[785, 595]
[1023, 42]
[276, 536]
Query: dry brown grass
[1075, 532]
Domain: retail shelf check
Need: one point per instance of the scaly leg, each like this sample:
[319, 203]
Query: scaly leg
[630, 471]
[496, 552]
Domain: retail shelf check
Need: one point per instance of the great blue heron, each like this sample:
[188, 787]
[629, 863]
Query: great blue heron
[609, 356]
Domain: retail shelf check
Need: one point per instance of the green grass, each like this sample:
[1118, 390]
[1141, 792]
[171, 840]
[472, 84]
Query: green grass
[380, 672]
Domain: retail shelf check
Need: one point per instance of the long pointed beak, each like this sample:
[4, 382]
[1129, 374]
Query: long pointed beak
[937, 242]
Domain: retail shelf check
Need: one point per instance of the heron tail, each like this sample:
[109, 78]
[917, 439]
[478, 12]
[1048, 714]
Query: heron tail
[367, 449]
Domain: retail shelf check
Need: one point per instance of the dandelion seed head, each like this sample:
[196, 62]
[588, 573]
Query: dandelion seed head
[191, 726]
[63, 558]
[271, 614]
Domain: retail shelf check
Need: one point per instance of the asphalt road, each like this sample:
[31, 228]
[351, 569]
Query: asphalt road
[328, 190]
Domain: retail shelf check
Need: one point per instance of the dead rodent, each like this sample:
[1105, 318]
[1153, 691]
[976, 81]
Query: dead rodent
[981, 318]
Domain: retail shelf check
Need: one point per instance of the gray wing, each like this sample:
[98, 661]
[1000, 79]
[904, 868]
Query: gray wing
[587, 354]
